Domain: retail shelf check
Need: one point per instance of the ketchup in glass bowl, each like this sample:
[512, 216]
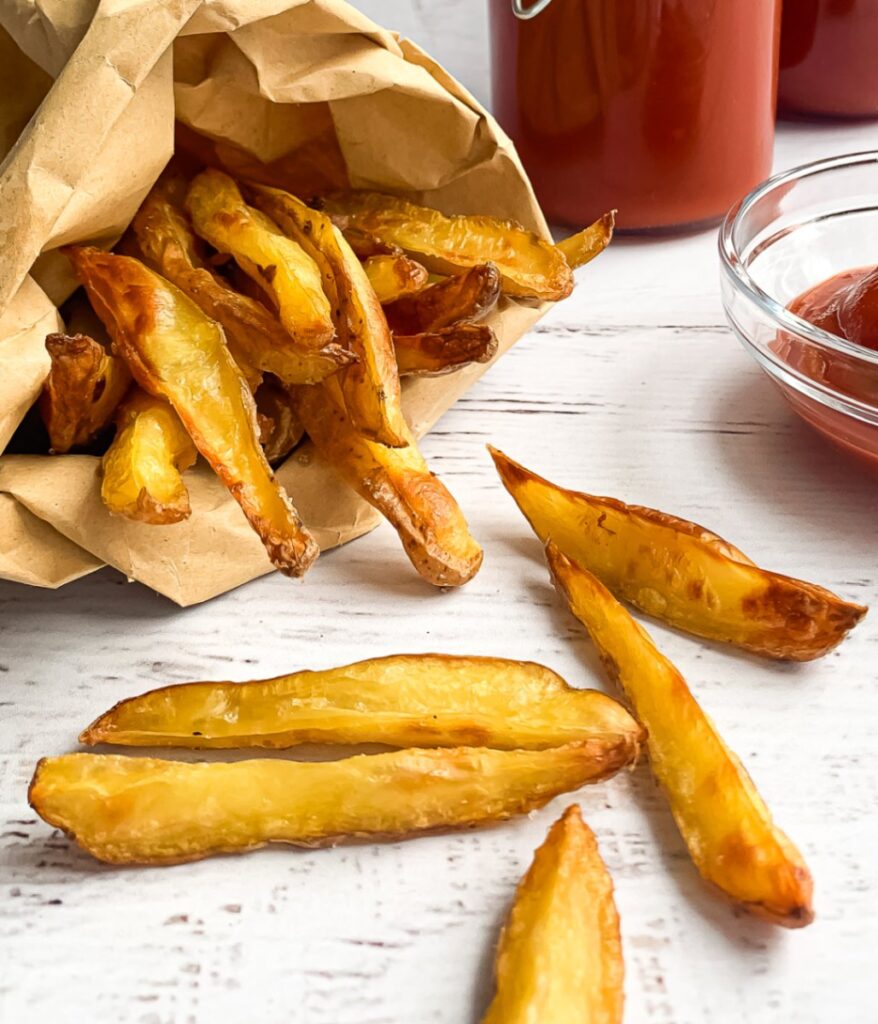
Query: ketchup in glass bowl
[799, 262]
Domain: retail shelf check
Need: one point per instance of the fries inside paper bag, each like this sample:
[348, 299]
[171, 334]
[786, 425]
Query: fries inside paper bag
[92, 99]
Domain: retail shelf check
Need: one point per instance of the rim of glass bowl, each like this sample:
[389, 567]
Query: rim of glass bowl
[734, 267]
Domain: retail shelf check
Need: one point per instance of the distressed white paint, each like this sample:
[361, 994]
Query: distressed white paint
[634, 388]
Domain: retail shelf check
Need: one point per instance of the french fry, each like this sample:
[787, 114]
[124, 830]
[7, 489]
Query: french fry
[256, 338]
[86, 382]
[442, 351]
[280, 266]
[141, 469]
[681, 573]
[721, 816]
[394, 276]
[371, 386]
[460, 298]
[582, 247]
[132, 810]
[280, 427]
[175, 352]
[529, 266]
[398, 482]
[560, 953]
[407, 700]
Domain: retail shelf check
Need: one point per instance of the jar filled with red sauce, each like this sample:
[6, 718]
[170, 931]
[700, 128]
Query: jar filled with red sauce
[829, 58]
[661, 109]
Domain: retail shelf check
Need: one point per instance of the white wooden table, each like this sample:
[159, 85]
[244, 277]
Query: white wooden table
[634, 387]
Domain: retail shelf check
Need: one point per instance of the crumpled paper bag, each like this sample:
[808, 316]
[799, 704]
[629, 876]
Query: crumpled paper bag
[89, 96]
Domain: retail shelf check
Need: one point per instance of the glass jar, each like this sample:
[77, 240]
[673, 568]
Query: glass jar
[829, 58]
[662, 109]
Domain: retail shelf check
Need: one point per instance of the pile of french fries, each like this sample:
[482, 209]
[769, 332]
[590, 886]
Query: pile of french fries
[240, 319]
[479, 740]
[234, 319]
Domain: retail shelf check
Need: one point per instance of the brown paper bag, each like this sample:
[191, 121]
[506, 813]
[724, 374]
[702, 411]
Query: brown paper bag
[261, 82]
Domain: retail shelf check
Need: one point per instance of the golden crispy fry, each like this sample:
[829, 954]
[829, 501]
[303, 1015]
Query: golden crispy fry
[582, 247]
[529, 266]
[175, 352]
[398, 482]
[256, 338]
[371, 386]
[132, 810]
[721, 816]
[560, 955]
[681, 573]
[142, 467]
[280, 427]
[449, 348]
[460, 298]
[407, 700]
[394, 276]
[86, 382]
[276, 263]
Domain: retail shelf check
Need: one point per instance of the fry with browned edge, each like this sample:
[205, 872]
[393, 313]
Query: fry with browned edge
[530, 266]
[255, 336]
[559, 960]
[405, 700]
[721, 816]
[133, 810]
[449, 348]
[140, 471]
[460, 298]
[177, 353]
[582, 247]
[371, 386]
[681, 573]
[86, 383]
[394, 275]
[282, 269]
[398, 482]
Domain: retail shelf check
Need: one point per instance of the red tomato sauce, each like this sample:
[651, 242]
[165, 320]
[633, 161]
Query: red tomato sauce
[845, 305]
[662, 109]
[829, 58]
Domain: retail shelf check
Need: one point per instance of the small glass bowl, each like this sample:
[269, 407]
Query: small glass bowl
[790, 233]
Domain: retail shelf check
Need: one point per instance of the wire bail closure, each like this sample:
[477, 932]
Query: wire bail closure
[526, 13]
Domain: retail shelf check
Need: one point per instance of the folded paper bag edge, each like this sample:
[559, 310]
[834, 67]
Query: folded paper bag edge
[187, 582]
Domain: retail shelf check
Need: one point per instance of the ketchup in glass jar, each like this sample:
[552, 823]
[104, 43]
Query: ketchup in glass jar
[662, 109]
[829, 58]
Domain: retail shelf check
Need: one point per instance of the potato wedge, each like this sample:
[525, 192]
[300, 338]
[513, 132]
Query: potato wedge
[86, 382]
[681, 573]
[280, 427]
[394, 276]
[256, 338]
[280, 266]
[721, 816]
[460, 298]
[141, 469]
[560, 955]
[530, 266]
[398, 482]
[438, 352]
[175, 352]
[132, 810]
[582, 247]
[371, 386]
[406, 700]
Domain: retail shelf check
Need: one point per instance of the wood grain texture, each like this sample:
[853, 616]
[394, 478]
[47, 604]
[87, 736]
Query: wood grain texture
[635, 388]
